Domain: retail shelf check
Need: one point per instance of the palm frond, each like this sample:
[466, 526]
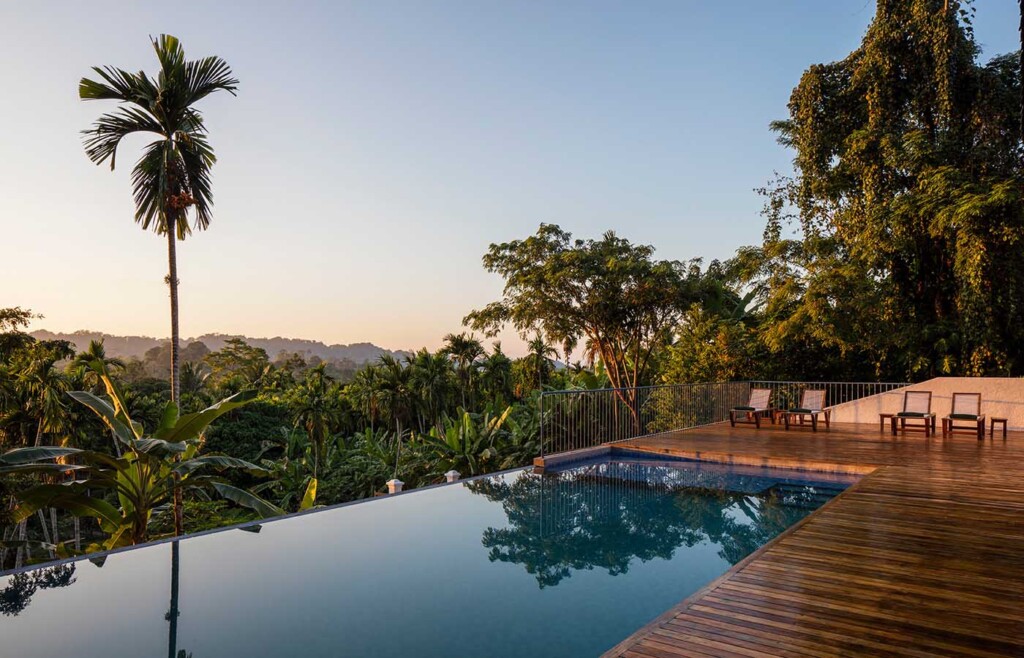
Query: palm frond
[149, 185]
[120, 85]
[105, 136]
[197, 158]
[207, 75]
[173, 173]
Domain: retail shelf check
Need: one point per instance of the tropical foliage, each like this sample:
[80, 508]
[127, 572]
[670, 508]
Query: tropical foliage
[290, 435]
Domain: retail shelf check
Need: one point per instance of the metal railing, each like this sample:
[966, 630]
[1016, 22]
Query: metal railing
[573, 420]
[578, 419]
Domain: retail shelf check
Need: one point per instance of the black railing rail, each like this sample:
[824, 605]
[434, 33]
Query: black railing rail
[787, 394]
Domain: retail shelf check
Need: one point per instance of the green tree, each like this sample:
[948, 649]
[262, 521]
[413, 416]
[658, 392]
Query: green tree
[12, 338]
[610, 293]
[540, 355]
[173, 174]
[395, 392]
[316, 407]
[496, 380]
[80, 364]
[908, 198]
[710, 348]
[431, 376]
[237, 365]
[365, 394]
[465, 350]
[43, 386]
[194, 376]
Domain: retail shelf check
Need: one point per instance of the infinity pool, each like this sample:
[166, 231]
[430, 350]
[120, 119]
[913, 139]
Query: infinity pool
[516, 564]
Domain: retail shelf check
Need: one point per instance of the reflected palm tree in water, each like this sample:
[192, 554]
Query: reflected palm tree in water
[21, 587]
[606, 515]
[174, 612]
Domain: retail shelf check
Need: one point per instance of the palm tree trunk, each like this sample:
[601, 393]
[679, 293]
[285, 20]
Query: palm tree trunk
[46, 531]
[172, 283]
[53, 512]
[22, 536]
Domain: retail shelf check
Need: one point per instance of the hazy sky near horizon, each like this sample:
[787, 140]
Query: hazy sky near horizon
[376, 149]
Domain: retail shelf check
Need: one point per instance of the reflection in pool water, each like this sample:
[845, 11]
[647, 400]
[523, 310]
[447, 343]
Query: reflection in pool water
[516, 564]
[20, 588]
[608, 515]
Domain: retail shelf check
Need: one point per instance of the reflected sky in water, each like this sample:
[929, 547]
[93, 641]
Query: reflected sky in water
[512, 565]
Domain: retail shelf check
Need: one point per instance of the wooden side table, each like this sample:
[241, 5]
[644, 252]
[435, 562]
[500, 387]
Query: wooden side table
[881, 421]
[992, 426]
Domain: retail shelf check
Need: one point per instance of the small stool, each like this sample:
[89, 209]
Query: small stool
[881, 421]
[992, 426]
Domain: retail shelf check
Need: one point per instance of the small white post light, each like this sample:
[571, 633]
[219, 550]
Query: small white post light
[395, 486]
[452, 475]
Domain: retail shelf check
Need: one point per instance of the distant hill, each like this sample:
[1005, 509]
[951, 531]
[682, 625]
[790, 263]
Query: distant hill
[136, 346]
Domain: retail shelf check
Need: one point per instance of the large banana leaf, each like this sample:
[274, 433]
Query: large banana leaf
[219, 462]
[124, 433]
[168, 419]
[34, 459]
[160, 448]
[246, 499]
[190, 426]
[70, 497]
[34, 454]
[41, 468]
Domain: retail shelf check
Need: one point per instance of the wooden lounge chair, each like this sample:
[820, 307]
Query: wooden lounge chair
[812, 404]
[758, 406]
[966, 408]
[917, 405]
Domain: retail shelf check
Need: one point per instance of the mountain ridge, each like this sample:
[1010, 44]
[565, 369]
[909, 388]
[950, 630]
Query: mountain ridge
[136, 346]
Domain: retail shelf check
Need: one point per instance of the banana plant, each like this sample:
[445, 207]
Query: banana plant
[520, 442]
[143, 477]
[294, 472]
[465, 444]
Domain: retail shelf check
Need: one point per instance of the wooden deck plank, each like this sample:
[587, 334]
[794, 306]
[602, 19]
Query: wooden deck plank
[924, 556]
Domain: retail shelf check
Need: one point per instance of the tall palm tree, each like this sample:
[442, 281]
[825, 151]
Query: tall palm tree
[431, 377]
[496, 376]
[80, 365]
[316, 408]
[173, 174]
[397, 398]
[194, 376]
[539, 353]
[43, 387]
[365, 394]
[464, 349]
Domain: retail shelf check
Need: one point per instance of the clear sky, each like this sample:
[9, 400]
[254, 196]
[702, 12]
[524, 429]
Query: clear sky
[377, 148]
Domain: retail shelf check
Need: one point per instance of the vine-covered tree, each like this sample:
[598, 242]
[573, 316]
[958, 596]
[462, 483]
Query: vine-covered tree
[907, 200]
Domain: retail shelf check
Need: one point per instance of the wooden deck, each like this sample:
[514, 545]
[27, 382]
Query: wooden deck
[924, 556]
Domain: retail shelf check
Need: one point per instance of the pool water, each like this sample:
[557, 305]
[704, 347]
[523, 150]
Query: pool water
[516, 564]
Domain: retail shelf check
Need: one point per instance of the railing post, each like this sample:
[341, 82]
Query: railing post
[540, 420]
